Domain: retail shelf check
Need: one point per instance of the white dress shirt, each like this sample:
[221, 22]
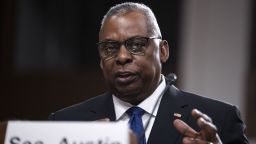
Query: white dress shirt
[147, 105]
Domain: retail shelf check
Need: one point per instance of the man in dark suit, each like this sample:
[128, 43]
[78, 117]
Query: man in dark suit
[132, 52]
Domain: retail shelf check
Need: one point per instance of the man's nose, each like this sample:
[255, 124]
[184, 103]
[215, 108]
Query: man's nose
[123, 56]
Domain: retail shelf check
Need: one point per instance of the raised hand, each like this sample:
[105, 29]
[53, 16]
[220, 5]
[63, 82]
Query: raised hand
[207, 135]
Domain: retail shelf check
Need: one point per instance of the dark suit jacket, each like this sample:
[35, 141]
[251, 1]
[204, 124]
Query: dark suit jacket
[225, 116]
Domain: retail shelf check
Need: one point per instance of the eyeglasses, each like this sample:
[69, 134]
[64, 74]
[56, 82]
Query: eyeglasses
[135, 45]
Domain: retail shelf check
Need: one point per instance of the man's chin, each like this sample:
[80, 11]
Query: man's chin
[132, 99]
[126, 93]
[130, 96]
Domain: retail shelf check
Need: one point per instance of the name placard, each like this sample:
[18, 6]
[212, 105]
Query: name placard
[39, 132]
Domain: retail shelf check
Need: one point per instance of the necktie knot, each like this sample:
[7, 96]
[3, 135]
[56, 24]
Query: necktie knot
[135, 111]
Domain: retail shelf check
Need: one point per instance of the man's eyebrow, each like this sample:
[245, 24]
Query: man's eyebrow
[109, 40]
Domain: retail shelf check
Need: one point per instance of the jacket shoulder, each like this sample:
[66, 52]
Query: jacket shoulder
[82, 110]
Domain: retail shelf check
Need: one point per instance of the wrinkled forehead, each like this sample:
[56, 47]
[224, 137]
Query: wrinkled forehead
[120, 27]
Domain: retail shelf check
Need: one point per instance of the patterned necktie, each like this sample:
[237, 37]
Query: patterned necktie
[135, 122]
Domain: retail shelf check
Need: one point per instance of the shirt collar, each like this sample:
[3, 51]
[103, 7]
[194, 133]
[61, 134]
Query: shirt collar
[148, 104]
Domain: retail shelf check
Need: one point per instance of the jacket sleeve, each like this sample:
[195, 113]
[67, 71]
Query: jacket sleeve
[233, 128]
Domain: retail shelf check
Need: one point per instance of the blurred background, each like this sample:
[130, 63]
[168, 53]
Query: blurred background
[49, 60]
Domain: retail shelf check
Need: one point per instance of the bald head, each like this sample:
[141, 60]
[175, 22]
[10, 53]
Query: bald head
[128, 7]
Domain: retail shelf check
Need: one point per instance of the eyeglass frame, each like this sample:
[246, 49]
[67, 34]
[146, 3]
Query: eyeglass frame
[125, 45]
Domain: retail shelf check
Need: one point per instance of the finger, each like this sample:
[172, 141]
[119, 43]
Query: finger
[188, 140]
[206, 125]
[208, 129]
[197, 114]
[184, 129]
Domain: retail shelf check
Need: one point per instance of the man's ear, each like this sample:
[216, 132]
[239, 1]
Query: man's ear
[164, 51]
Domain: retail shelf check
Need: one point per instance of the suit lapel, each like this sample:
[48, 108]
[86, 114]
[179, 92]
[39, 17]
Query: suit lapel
[104, 109]
[171, 107]
[109, 108]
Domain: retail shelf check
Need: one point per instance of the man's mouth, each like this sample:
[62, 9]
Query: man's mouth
[125, 77]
